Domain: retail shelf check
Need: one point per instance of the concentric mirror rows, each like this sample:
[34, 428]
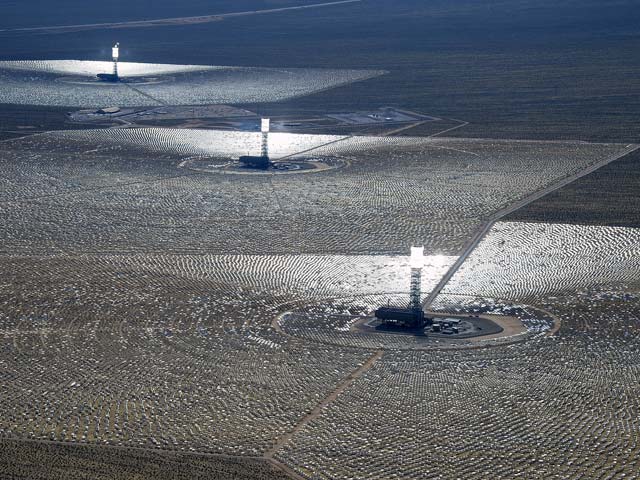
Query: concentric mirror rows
[141, 305]
[125, 191]
[108, 351]
[347, 322]
[554, 407]
[67, 461]
[522, 260]
[74, 83]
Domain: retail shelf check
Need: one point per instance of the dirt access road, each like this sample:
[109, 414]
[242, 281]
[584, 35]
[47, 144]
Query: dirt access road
[164, 22]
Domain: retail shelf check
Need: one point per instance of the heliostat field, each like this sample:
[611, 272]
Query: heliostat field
[319, 240]
[75, 83]
[132, 191]
[144, 302]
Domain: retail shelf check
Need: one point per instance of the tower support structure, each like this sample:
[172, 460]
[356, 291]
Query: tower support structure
[412, 317]
[265, 127]
[417, 262]
[115, 53]
[415, 300]
[113, 76]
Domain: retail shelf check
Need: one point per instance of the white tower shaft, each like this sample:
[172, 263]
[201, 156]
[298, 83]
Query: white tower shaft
[115, 53]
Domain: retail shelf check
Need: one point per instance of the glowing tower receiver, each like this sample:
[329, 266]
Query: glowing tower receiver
[264, 128]
[416, 262]
[115, 53]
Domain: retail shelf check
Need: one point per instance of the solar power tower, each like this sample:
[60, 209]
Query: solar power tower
[412, 317]
[115, 53]
[264, 128]
[417, 263]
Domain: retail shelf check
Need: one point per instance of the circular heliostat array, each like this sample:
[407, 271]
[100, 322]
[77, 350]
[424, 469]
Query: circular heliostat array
[75, 83]
[275, 167]
[121, 266]
[128, 81]
[350, 322]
